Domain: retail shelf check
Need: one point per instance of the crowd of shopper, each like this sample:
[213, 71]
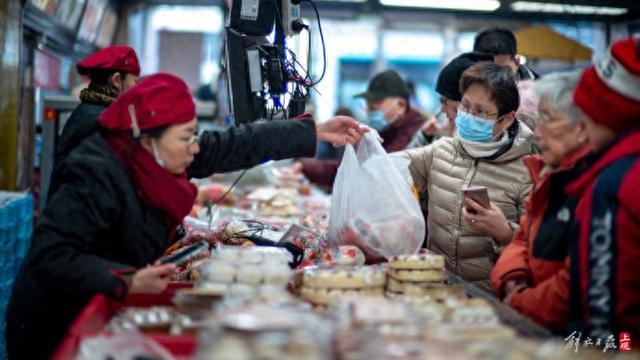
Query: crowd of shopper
[559, 240]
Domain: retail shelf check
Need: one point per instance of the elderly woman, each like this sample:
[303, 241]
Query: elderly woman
[532, 274]
[605, 264]
[122, 192]
[487, 151]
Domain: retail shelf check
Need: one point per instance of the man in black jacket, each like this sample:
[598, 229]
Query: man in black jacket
[111, 71]
[501, 43]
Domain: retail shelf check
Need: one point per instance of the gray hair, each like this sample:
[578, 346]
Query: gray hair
[557, 88]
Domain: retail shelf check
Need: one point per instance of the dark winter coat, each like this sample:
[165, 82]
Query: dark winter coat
[82, 122]
[95, 225]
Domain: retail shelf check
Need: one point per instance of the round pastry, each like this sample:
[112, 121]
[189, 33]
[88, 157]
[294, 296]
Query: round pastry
[417, 262]
[259, 253]
[360, 277]
[214, 287]
[417, 275]
[395, 286]
[276, 274]
[327, 296]
[250, 274]
[220, 272]
[242, 290]
[432, 291]
[473, 311]
[393, 295]
[227, 253]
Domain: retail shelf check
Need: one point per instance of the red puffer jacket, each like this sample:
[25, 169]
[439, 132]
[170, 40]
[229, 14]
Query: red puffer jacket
[605, 255]
[538, 252]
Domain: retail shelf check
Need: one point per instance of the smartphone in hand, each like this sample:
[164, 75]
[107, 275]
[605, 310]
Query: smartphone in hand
[478, 194]
[185, 254]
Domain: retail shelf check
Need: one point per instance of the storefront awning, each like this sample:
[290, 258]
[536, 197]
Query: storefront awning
[542, 42]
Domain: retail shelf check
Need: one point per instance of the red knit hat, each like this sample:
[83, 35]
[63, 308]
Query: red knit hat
[609, 91]
[155, 101]
[116, 58]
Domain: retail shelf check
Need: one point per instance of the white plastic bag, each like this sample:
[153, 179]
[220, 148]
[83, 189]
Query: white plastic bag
[372, 205]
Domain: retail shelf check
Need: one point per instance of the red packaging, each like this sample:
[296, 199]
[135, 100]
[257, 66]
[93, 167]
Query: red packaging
[94, 317]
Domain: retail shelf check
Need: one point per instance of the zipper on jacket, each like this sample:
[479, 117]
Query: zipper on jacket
[466, 183]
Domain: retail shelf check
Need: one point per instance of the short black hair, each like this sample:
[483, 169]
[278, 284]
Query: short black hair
[497, 80]
[101, 76]
[496, 41]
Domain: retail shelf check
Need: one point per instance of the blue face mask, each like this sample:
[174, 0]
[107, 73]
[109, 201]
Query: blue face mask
[474, 128]
[375, 119]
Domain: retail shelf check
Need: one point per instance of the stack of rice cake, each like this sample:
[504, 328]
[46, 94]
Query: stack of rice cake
[324, 286]
[416, 275]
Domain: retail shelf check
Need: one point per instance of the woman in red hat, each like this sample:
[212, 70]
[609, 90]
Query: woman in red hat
[122, 192]
[605, 286]
[111, 71]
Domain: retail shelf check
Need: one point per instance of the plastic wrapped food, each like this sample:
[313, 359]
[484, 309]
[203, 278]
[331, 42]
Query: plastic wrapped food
[122, 346]
[214, 193]
[153, 319]
[340, 256]
[260, 331]
[305, 239]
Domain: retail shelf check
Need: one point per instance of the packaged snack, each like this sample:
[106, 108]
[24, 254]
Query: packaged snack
[340, 256]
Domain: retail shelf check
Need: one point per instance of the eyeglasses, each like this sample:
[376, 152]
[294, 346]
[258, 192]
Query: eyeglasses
[194, 139]
[479, 112]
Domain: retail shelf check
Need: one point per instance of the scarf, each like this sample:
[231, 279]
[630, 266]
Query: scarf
[491, 150]
[172, 194]
[98, 94]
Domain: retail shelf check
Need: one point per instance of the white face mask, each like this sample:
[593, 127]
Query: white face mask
[156, 155]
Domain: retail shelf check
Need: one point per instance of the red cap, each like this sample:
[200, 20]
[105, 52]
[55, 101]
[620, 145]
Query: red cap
[609, 91]
[116, 58]
[155, 101]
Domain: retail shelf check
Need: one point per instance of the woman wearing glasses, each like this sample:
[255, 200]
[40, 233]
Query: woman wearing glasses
[486, 151]
[122, 193]
[532, 274]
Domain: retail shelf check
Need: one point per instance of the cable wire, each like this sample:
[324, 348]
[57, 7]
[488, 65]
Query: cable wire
[324, 51]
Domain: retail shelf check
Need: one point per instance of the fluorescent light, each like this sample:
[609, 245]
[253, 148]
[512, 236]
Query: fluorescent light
[526, 6]
[472, 5]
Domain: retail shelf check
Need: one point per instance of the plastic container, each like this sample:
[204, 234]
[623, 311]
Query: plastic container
[16, 225]
[94, 317]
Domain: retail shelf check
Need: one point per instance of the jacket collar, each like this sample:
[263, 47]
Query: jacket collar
[625, 145]
[538, 170]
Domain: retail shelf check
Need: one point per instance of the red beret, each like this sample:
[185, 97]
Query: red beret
[155, 101]
[609, 91]
[116, 58]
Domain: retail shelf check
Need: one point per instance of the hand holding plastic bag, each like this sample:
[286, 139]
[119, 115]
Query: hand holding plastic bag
[372, 205]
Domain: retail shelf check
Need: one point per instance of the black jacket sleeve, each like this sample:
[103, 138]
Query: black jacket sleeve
[69, 232]
[253, 144]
